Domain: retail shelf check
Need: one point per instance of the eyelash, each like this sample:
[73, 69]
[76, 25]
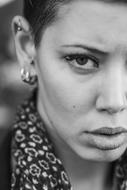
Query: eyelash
[73, 57]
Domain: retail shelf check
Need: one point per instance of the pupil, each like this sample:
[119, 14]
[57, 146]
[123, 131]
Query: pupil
[82, 60]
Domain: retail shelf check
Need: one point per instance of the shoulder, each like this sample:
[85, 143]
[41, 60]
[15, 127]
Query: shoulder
[26, 147]
[34, 161]
[28, 131]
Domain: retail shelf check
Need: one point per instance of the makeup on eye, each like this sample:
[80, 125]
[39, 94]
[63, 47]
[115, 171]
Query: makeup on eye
[81, 57]
[82, 62]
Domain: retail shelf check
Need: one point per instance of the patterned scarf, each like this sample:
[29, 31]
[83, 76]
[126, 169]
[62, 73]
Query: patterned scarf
[35, 164]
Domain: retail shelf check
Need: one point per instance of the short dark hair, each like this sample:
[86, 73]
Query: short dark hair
[41, 13]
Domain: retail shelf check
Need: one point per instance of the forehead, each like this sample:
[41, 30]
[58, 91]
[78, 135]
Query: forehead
[93, 21]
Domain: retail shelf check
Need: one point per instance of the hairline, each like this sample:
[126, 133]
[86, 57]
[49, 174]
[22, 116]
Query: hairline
[39, 26]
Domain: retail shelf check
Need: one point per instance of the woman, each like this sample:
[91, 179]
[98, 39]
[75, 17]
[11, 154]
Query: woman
[72, 132]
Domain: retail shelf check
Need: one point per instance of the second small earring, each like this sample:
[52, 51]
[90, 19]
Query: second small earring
[18, 26]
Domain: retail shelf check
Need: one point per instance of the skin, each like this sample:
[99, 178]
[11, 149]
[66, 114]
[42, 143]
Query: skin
[73, 101]
[73, 98]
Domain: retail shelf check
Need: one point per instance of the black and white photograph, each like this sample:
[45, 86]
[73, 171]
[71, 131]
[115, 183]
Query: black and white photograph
[63, 94]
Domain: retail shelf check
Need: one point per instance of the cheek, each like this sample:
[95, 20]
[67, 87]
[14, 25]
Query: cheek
[65, 93]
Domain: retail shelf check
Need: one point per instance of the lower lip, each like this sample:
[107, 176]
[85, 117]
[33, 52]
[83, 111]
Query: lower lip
[104, 142]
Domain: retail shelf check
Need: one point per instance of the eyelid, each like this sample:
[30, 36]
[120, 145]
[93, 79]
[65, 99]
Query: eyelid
[77, 55]
[80, 70]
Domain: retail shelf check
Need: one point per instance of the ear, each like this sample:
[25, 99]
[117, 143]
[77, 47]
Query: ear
[24, 43]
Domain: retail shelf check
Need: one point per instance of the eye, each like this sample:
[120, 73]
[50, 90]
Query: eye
[82, 62]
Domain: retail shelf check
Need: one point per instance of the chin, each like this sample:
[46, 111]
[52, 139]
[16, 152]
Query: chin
[98, 155]
[112, 155]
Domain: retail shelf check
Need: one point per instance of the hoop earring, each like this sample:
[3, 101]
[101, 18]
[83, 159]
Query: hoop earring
[25, 75]
[27, 78]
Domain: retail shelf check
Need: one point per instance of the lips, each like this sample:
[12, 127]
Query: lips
[109, 131]
[106, 138]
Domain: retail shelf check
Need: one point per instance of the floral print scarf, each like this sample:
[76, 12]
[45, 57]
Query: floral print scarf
[35, 164]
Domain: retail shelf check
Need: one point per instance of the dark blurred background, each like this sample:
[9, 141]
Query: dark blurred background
[12, 89]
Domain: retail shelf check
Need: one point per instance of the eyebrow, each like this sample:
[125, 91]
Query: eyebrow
[89, 48]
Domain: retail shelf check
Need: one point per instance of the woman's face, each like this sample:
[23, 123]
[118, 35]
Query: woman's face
[82, 70]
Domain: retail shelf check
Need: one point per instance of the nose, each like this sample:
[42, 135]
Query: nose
[112, 97]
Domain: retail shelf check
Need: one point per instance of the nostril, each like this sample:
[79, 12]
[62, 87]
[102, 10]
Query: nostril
[112, 110]
[111, 103]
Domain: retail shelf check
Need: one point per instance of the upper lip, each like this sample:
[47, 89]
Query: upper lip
[109, 130]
